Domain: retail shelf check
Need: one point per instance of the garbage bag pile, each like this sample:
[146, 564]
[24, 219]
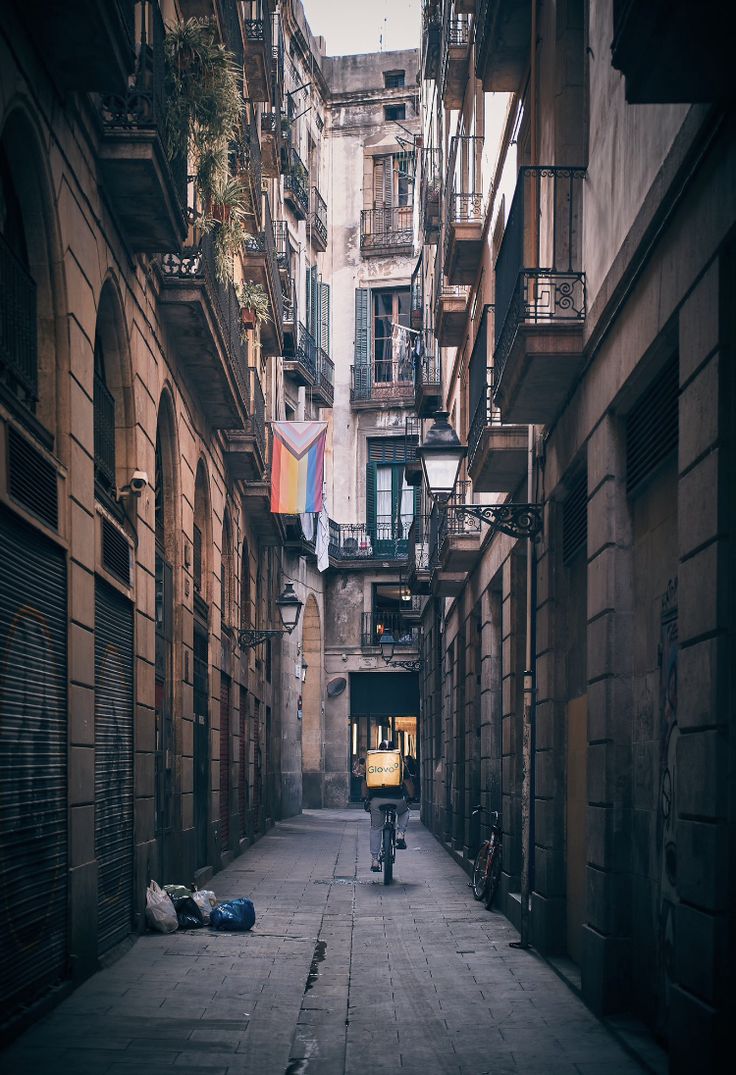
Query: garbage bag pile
[179, 907]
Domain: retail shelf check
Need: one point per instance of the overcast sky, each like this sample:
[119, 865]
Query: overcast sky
[351, 26]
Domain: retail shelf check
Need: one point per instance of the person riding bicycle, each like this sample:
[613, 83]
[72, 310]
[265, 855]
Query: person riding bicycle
[375, 798]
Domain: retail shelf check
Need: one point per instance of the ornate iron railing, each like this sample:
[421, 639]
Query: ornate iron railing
[18, 332]
[464, 197]
[283, 247]
[325, 372]
[318, 218]
[256, 421]
[258, 31]
[296, 180]
[386, 229]
[484, 415]
[104, 431]
[377, 624]
[383, 380]
[355, 541]
[199, 263]
[430, 192]
[539, 277]
[265, 243]
[418, 556]
[142, 107]
[304, 351]
[428, 371]
[447, 520]
[416, 314]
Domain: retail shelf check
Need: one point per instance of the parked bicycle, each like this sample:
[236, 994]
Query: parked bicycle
[487, 865]
[387, 854]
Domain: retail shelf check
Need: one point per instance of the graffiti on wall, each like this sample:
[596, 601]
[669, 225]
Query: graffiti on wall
[667, 801]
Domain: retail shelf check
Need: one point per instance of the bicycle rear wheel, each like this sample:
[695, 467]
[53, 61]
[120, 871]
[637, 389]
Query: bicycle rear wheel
[388, 856]
[480, 881]
[494, 876]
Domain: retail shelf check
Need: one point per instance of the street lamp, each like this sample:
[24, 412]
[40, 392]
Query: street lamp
[388, 646]
[441, 454]
[289, 607]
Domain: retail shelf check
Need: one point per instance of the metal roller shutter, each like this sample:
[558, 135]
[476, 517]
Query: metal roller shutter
[33, 765]
[113, 765]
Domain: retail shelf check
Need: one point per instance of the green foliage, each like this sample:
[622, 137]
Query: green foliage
[252, 296]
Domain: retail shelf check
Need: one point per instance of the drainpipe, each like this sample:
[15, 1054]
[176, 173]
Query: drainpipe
[527, 781]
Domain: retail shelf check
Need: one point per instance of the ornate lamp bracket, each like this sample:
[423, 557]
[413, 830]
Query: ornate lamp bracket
[516, 520]
[249, 639]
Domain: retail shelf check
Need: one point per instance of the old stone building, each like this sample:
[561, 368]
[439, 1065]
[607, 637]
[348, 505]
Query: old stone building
[577, 219]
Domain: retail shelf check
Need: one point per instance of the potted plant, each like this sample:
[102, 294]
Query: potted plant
[254, 305]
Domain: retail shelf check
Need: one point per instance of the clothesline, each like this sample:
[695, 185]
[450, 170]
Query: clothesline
[414, 331]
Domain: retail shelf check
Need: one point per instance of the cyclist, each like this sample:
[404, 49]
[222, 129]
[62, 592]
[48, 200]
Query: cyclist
[374, 799]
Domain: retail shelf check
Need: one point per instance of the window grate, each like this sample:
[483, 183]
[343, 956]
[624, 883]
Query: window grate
[575, 518]
[32, 480]
[651, 428]
[115, 552]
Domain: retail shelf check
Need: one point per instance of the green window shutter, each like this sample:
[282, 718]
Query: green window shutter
[313, 297]
[324, 337]
[362, 326]
[370, 497]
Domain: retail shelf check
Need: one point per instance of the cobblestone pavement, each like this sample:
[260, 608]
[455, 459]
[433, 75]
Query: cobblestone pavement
[341, 974]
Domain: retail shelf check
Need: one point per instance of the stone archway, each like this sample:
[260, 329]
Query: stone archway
[312, 709]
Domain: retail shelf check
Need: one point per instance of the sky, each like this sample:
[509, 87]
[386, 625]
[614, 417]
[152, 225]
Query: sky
[351, 26]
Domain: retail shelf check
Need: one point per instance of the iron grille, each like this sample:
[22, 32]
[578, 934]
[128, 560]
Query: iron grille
[18, 347]
[575, 518]
[104, 418]
[32, 480]
[651, 428]
[386, 229]
[115, 552]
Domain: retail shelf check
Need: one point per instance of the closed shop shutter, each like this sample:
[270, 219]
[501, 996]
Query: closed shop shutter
[113, 765]
[33, 765]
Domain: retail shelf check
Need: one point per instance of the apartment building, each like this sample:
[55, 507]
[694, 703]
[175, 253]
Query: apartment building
[577, 219]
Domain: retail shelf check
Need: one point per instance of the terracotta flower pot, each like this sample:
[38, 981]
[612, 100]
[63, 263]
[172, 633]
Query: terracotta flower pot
[247, 317]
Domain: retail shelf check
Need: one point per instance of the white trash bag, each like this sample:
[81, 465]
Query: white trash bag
[205, 900]
[160, 912]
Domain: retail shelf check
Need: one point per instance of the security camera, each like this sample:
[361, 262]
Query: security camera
[138, 482]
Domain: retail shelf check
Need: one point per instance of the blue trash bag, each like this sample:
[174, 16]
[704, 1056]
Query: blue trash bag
[233, 914]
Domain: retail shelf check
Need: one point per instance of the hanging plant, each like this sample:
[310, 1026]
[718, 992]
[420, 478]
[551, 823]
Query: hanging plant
[254, 305]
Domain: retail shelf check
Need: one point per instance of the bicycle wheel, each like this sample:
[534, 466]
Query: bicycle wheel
[494, 876]
[388, 856]
[479, 882]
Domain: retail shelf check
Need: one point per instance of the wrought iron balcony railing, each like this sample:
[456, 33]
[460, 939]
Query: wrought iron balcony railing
[384, 230]
[296, 187]
[304, 351]
[356, 541]
[325, 373]
[104, 430]
[18, 339]
[384, 380]
[416, 314]
[484, 415]
[318, 217]
[447, 520]
[418, 555]
[464, 179]
[265, 243]
[428, 370]
[376, 624]
[283, 246]
[539, 276]
[256, 405]
[430, 192]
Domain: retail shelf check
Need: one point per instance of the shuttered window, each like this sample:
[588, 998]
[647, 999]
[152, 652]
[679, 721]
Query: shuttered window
[651, 428]
[362, 326]
[324, 320]
[575, 518]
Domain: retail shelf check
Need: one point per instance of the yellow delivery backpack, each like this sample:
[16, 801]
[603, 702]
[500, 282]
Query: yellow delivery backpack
[383, 769]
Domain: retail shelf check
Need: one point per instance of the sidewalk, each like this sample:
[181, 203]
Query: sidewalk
[340, 975]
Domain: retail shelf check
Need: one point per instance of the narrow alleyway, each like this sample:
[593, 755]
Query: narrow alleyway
[340, 974]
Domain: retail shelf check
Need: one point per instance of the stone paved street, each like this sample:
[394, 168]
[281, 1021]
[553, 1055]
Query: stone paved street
[340, 974]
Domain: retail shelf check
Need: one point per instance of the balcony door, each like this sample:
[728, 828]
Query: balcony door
[390, 508]
[392, 362]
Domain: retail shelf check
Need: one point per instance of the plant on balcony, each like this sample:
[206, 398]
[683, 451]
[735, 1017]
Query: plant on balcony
[254, 305]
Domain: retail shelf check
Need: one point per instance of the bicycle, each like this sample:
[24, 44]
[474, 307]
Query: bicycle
[487, 865]
[387, 853]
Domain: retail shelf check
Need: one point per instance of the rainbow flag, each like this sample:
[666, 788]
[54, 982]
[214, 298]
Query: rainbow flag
[297, 467]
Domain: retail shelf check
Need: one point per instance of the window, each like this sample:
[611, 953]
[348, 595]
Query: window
[391, 346]
[393, 180]
[394, 112]
[394, 80]
[391, 504]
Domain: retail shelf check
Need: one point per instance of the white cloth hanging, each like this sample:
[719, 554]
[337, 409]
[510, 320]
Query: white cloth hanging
[322, 546]
[307, 519]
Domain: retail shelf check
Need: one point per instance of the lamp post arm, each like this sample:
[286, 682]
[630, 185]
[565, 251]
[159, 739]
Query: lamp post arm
[516, 520]
[249, 639]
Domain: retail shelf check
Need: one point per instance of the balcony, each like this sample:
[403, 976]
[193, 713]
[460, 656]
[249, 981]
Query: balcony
[456, 54]
[291, 317]
[412, 466]
[271, 143]
[673, 53]
[450, 308]
[540, 296]
[465, 211]
[296, 186]
[300, 361]
[147, 192]
[18, 338]
[454, 542]
[377, 624]
[353, 545]
[427, 385]
[431, 38]
[385, 382]
[247, 164]
[278, 48]
[418, 575]
[498, 454]
[430, 192]
[387, 231]
[257, 49]
[267, 528]
[318, 221]
[245, 450]
[502, 36]
[416, 303]
[258, 257]
[323, 392]
[89, 46]
[202, 319]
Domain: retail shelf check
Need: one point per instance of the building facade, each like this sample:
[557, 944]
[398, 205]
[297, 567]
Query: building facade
[577, 221]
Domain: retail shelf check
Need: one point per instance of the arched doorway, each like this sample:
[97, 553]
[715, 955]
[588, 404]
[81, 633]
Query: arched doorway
[312, 710]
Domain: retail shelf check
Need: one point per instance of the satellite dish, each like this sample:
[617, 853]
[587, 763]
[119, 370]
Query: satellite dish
[336, 686]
